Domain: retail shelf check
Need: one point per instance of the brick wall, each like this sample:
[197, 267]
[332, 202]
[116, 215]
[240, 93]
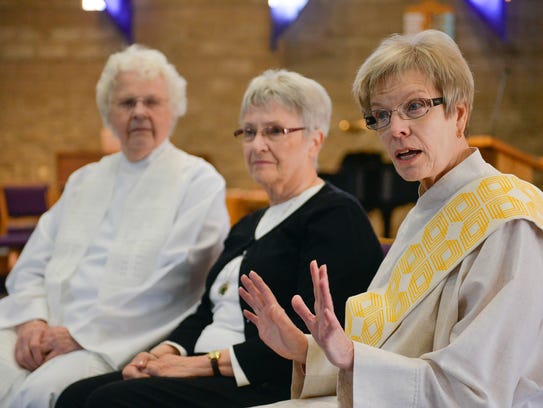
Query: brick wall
[52, 52]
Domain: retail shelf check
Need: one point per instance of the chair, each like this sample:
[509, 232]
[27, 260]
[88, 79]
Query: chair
[241, 202]
[386, 243]
[21, 206]
[69, 161]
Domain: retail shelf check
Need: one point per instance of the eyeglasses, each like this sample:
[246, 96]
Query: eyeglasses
[412, 109]
[272, 133]
[150, 102]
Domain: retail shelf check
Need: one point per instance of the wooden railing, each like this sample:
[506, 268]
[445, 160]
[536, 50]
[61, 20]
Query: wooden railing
[507, 158]
[240, 202]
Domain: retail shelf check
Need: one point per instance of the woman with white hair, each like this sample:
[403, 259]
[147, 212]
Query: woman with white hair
[122, 257]
[215, 358]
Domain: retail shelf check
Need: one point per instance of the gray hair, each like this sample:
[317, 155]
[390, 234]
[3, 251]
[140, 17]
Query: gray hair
[432, 53]
[149, 63]
[291, 90]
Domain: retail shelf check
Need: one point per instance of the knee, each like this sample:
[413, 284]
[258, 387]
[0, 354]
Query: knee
[113, 395]
[26, 396]
[98, 398]
[71, 397]
[11, 373]
[39, 389]
[12, 377]
[78, 395]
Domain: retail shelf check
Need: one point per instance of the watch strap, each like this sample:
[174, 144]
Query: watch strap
[214, 360]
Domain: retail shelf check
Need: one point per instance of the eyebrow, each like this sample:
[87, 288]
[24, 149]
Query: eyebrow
[131, 95]
[411, 95]
[272, 123]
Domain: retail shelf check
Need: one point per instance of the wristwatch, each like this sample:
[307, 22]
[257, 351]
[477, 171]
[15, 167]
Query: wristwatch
[214, 360]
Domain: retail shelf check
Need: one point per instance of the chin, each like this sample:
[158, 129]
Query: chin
[141, 143]
[262, 180]
[408, 175]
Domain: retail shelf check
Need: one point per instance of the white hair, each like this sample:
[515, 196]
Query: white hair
[149, 63]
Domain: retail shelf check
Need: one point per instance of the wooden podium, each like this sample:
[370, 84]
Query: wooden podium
[507, 158]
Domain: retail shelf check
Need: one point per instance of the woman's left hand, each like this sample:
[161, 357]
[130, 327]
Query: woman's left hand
[323, 325]
[179, 366]
[274, 326]
[135, 368]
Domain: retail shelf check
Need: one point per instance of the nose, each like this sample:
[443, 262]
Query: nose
[139, 109]
[260, 142]
[398, 126]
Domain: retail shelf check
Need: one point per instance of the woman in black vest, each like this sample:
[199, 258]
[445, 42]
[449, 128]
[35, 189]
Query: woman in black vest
[215, 356]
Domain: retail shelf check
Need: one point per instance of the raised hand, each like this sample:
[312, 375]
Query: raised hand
[274, 326]
[323, 325]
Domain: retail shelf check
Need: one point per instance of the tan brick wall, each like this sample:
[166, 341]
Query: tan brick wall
[52, 52]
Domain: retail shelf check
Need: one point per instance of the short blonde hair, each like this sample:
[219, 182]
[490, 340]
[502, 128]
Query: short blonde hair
[432, 53]
[149, 63]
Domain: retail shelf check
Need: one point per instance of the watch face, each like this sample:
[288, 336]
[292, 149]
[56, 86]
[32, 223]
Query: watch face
[214, 355]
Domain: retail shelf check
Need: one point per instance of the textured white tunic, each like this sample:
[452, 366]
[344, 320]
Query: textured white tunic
[475, 341]
[123, 255]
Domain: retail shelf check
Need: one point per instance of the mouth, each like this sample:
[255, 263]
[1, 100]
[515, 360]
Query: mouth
[139, 130]
[139, 126]
[259, 162]
[407, 154]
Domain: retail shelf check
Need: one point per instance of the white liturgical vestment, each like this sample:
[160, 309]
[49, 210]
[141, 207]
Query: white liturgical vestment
[474, 339]
[122, 257]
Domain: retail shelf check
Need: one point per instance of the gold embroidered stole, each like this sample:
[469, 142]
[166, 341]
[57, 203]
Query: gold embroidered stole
[459, 227]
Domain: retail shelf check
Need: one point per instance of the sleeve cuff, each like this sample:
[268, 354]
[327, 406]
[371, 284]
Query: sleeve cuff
[320, 376]
[180, 349]
[239, 375]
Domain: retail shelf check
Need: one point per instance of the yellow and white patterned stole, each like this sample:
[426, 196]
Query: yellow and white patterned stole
[464, 222]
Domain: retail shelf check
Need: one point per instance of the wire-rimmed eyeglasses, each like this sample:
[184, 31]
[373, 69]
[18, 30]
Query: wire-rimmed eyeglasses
[412, 109]
[272, 133]
[150, 102]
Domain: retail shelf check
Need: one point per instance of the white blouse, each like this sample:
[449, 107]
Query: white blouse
[227, 327]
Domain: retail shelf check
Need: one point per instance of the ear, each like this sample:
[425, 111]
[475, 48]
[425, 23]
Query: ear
[461, 118]
[317, 140]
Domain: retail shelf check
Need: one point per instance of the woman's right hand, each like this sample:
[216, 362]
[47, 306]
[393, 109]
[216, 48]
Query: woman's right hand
[274, 326]
[28, 348]
[135, 368]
